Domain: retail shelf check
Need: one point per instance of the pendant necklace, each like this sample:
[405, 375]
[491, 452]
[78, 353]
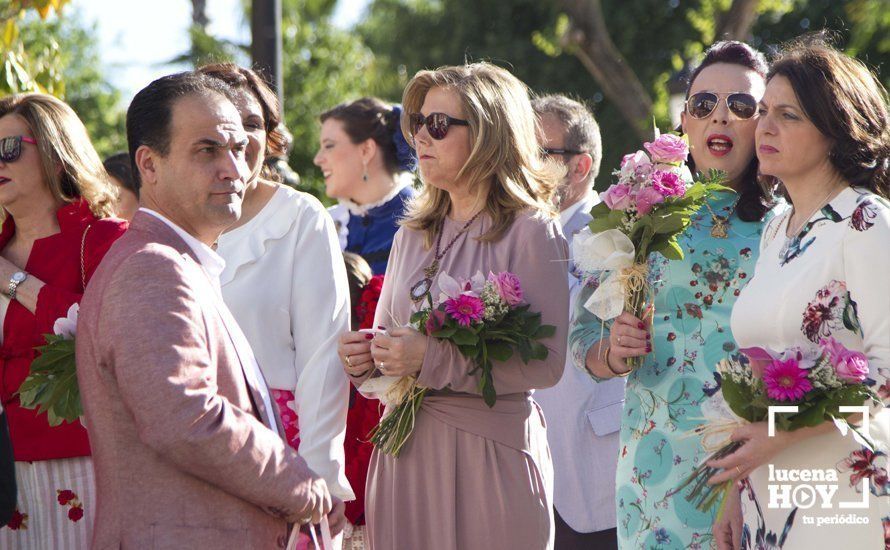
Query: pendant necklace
[422, 287]
[721, 223]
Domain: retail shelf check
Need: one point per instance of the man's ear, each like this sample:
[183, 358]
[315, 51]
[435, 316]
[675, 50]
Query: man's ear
[583, 164]
[145, 163]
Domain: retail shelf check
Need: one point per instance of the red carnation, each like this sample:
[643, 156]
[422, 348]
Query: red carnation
[66, 496]
[367, 306]
[75, 513]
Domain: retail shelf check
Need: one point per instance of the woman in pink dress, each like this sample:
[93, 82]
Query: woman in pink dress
[469, 476]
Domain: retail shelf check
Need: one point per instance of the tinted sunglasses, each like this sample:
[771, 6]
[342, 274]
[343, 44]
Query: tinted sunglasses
[702, 104]
[11, 147]
[548, 151]
[437, 124]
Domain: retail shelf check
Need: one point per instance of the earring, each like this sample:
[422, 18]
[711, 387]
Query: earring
[364, 173]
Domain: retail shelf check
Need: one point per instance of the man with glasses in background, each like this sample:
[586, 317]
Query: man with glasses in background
[583, 416]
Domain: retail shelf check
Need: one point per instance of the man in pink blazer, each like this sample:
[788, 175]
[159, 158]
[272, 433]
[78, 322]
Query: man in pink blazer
[185, 439]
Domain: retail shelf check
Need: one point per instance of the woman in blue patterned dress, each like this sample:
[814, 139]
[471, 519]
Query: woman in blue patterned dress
[693, 299]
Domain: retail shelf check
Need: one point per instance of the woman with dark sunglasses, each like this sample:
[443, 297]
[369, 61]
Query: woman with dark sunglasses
[668, 396]
[57, 203]
[469, 475]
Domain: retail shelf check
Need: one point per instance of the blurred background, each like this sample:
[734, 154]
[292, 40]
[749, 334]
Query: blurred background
[627, 59]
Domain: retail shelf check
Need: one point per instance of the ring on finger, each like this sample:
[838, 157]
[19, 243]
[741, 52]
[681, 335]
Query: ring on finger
[619, 340]
[348, 362]
[739, 470]
[381, 366]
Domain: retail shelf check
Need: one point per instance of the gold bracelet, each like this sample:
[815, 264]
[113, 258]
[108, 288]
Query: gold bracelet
[613, 371]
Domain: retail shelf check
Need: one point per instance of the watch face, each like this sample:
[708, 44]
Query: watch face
[19, 276]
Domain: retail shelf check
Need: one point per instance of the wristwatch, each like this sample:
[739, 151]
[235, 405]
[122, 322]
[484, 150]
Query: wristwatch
[17, 278]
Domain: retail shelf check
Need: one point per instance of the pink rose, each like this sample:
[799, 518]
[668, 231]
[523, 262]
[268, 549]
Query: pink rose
[508, 287]
[635, 166]
[668, 184]
[647, 198]
[851, 366]
[618, 197]
[668, 148]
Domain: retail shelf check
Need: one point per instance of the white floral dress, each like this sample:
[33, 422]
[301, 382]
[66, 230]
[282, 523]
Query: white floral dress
[831, 280]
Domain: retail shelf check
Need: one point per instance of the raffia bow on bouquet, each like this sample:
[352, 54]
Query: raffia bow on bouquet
[644, 212]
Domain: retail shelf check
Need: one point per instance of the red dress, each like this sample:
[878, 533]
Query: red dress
[362, 416]
[55, 260]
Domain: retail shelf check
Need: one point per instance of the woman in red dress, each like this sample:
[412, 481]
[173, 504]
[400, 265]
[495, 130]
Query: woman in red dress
[55, 206]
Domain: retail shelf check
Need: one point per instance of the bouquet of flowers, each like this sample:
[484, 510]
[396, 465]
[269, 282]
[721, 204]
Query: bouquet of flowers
[487, 321]
[51, 386]
[644, 212]
[817, 380]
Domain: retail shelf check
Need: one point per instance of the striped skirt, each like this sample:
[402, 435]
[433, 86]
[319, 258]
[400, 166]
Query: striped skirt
[54, 511]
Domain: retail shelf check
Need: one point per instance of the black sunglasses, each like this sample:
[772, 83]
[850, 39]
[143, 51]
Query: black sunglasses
[702, 104]
[11, 147]
[549, 151]
[437, 124]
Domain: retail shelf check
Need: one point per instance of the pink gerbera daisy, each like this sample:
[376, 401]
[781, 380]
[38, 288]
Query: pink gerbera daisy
[465, 309]
[785, 380]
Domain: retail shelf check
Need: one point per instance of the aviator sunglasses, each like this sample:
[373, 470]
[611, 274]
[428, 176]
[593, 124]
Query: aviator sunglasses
[702, 104]
[11, 147]
[437, 124]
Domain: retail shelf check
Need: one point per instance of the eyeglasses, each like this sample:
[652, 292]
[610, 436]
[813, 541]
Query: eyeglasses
[702, 104]
[437, 124]
[11, 147]
[549, 151]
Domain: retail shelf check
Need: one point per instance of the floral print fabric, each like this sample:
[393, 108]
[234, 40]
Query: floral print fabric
[669, 395]
[828, 281]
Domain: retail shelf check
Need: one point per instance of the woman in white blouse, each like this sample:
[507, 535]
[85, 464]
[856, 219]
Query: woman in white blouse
[822, 272]
[285, 283]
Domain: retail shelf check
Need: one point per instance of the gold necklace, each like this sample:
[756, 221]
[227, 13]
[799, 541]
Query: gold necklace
[720, 223]
[422, 287]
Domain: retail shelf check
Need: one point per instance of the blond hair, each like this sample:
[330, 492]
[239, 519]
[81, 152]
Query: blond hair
[71, 167]
[505, 169]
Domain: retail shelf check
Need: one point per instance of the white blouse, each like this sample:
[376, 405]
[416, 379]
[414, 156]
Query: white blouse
[285, 283]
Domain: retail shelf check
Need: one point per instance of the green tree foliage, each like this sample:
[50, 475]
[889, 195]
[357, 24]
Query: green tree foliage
[656, 38]
[323, 66]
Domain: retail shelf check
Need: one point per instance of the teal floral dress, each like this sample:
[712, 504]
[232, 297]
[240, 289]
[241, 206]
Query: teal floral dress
[664, 398]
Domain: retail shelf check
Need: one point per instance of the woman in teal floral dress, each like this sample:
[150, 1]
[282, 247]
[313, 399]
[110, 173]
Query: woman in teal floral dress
[693, 299]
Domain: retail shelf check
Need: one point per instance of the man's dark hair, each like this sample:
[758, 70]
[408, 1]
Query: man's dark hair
[151, 111]
[582, 133]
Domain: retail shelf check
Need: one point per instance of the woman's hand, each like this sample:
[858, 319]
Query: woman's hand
[629, 336]
[354, 350]
[727, 530]
[757, 449]
[400, 352]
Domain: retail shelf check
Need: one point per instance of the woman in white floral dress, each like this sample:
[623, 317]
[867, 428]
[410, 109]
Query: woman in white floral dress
[822, 271]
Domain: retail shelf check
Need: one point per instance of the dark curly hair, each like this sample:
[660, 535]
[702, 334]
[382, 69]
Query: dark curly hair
[371, 118]
[755, 198]
[846, 103]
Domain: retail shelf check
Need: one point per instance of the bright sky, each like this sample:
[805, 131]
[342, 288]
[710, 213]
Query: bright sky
[138, 38]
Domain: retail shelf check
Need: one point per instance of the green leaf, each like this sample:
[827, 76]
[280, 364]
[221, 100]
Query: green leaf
[464, 337]
[499, 351]
[545, 331]
[445, 333]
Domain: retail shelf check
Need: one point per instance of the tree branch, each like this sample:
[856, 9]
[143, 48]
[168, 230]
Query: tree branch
[590, 42]
[736, 23]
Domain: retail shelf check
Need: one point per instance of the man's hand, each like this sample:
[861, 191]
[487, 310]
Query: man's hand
[337, 517]
[318, 504]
